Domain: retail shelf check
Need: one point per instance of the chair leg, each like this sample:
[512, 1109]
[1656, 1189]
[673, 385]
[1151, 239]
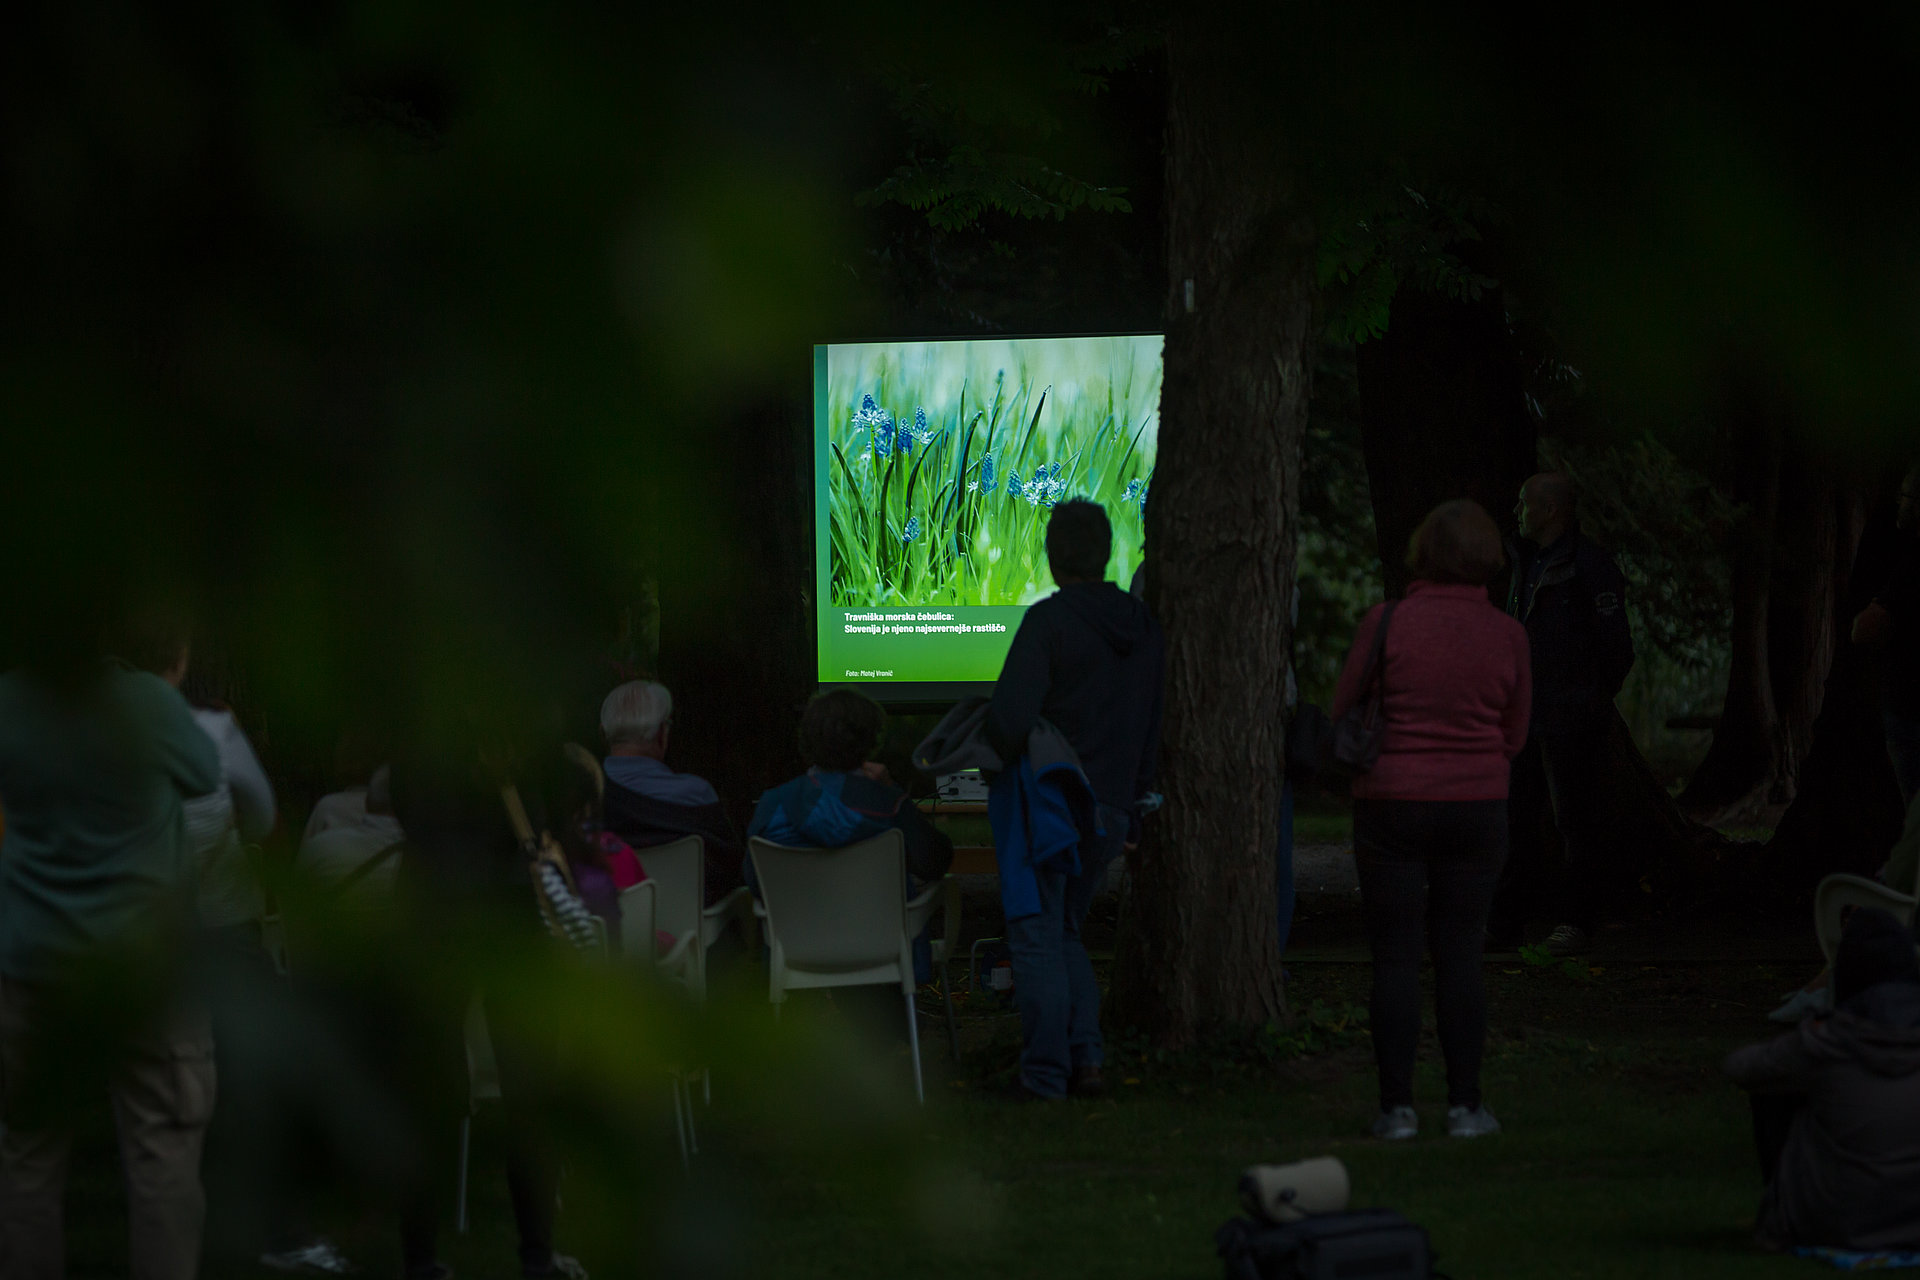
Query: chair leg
[946, 998]
[466, 1150]
[680, 1127]
[693, 1133]
[913, 1038]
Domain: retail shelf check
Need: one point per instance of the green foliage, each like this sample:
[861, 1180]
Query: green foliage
[955, 189]
[1542, 960]
[1373, 241]
[1338, 566]
[1319, 1027]
[977, 138]
[1667, 524]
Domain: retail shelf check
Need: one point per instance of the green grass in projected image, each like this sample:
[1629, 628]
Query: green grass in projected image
[946, 457]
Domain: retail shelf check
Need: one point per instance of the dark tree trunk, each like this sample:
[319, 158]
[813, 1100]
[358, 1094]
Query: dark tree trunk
[1791, 558]
[1746, 743]
[1443, 416]
[1846, 811]
[1812, 557]
[1199, 944]
[736, 590]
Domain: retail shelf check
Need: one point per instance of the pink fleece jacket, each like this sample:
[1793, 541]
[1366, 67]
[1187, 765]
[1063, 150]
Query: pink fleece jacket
[1458, 685]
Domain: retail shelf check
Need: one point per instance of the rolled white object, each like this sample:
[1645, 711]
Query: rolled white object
[1290, 1192]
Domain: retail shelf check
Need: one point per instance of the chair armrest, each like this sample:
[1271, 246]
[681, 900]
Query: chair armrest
[1837, 893]
[676, 958]
[715, 919]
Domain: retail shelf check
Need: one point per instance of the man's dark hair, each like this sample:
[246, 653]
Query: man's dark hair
[1079, 541]
[1457, 542]
[839, 730]
[151, 640]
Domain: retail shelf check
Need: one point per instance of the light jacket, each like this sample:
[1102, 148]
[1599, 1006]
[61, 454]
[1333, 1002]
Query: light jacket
[1040, 810]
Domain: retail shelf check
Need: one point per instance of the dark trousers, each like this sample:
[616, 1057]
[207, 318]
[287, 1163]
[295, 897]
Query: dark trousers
[438, 1086]
[1053, 980]
[1427, 875]
[1555, 792]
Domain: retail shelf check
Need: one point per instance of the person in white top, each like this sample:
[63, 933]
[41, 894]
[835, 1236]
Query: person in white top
[219, 826]
[347, 829]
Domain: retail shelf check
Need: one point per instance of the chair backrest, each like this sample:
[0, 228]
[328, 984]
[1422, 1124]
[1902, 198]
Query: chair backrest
[638, 927]
[840, 908]
[678, 871]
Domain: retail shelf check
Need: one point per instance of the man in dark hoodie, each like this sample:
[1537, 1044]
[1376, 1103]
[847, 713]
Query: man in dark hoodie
[1088, 659]
[1572, 599]
[1836, 1103]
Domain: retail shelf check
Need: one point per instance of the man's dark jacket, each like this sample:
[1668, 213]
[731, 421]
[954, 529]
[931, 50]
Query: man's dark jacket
[1576, 620]
[644, 821]
[1088, 658]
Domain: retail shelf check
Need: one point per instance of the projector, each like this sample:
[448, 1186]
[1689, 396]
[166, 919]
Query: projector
[965, 787]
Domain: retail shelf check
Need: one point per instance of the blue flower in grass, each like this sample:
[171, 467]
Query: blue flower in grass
[878, 424]
[1013, 484]
[987, 482]
[913, 529]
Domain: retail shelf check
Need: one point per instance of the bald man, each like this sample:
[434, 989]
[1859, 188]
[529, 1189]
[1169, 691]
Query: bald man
[1571, 596]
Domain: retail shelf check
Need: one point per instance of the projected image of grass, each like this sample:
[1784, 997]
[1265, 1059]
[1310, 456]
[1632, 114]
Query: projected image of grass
[946, 458]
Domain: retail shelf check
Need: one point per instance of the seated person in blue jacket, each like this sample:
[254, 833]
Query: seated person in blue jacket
[647, 803]
[1088, 659]
[844, 797]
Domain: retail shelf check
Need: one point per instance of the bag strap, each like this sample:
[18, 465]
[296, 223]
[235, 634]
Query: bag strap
[1377, 659]
[368, 867]
[517, 815]
[538, 848]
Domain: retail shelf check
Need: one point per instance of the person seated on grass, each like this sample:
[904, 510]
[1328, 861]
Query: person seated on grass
[649, 804]
[844, 797]
[1836, 1103]
[1901, 870]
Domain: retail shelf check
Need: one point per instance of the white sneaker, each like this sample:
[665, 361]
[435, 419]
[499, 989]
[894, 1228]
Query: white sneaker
[1470, 1122]
[317, 1259]
[1803, 1004]
[1568, 940]
[1396, 1125]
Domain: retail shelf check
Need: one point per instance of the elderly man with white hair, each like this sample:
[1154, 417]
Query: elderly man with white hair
[647, 803]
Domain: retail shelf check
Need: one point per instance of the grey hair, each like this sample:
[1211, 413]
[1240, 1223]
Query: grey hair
[635, 712]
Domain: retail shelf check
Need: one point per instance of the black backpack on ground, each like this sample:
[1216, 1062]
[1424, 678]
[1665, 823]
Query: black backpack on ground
[1377, 1244]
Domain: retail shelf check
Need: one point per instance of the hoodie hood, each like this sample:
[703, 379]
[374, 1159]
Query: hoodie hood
[1115, 616]
[1879, 1028]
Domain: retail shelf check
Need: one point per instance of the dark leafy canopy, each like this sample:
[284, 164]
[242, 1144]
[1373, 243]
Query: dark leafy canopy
[979, 143]
[1376, 238]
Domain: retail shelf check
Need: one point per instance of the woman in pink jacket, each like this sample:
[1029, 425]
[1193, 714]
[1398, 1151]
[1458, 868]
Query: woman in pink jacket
[1430, 817]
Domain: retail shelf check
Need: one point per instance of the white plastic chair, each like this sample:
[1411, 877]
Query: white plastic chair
[1839, 893]
[841, 918]
[483, 1085]
[678, 871]
[639, 927]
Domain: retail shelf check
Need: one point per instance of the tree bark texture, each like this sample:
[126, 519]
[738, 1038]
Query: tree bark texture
[1791, 560]
[1746, 741]
[1198, 944]
[1846, 811]
[1443, 416]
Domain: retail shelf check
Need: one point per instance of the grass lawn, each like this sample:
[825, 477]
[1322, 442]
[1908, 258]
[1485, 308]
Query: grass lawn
[1626, 1155]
